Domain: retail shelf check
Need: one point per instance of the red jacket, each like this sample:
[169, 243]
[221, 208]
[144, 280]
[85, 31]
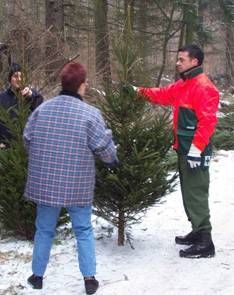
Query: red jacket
[197, 95]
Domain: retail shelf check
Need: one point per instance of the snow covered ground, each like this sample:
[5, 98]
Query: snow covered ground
[154, 266]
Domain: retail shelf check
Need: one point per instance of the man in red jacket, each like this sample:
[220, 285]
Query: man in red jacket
[194, 99]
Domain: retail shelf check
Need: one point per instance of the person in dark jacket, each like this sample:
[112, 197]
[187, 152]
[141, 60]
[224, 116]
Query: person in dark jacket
[63, 136]
[195, 100]
[8, 98]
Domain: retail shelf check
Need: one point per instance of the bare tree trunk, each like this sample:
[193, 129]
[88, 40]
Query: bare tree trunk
[191, 14]
[16, 35]
[201, 21]
[128, 33]
[55, 15]
[230, 54]
[165, 42]
[54, 23]
[36, 9]
[2, 18]
[12, 9]
[129, 11]
[180, 44]
[141, 25]
[103, 66]
[188, 27]
[121, 227]
[229, 31]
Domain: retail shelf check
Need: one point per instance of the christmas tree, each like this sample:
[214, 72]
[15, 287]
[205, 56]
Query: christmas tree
[16, 215]
[224, 135]
[143, 139]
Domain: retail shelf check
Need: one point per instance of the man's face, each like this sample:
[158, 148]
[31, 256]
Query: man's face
[185, 62]
[16, 79]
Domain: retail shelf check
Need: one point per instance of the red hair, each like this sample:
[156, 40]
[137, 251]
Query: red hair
[72, 76]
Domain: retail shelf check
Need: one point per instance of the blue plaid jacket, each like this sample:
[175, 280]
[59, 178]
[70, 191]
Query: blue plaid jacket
[62, 137]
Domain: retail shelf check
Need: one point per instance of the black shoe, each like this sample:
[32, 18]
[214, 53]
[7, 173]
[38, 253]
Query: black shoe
[204, 248]
[188, 239]
[35, 281]
[91, 285]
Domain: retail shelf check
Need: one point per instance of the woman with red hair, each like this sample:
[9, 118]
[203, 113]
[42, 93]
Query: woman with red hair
[62, 137]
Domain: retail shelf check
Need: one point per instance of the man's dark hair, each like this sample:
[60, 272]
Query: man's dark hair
[72, 76]
[194, 52]
[14, 67]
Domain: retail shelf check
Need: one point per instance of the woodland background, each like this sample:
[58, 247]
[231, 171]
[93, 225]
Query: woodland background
[44, 34]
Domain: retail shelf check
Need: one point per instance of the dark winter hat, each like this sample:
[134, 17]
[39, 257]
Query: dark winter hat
[14, 67]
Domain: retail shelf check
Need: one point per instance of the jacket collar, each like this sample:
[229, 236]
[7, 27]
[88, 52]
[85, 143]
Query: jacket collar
[70, 93]
[191, 73]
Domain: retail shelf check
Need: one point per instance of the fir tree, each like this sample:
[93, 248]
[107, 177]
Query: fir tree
[16, 215]
[224, 135]
[143, 139]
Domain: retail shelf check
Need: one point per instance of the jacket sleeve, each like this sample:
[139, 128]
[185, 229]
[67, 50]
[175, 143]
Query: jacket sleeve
[163, 95]
[28, 129]
[35, 100]
[100, 140]
[206, 107]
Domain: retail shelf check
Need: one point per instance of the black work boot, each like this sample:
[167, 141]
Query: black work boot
[203, 248]
[91, 285]
[35, 281]
[188, 239]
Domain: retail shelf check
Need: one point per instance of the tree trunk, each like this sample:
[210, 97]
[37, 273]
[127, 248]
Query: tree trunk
[2, 18]
[141, 23]
[55, 15]
[165, 42]
[188, 25]
[180, 44]
[191, 14]
[129, 12]
[229, 30]
[121, 226]
[230, 54]
[36, 9]
[103, 66]
[55, 23]
[201, 40]
[128, 34]
[14, 28]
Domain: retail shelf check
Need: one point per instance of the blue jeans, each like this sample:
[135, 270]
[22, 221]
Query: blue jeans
[46, 222]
